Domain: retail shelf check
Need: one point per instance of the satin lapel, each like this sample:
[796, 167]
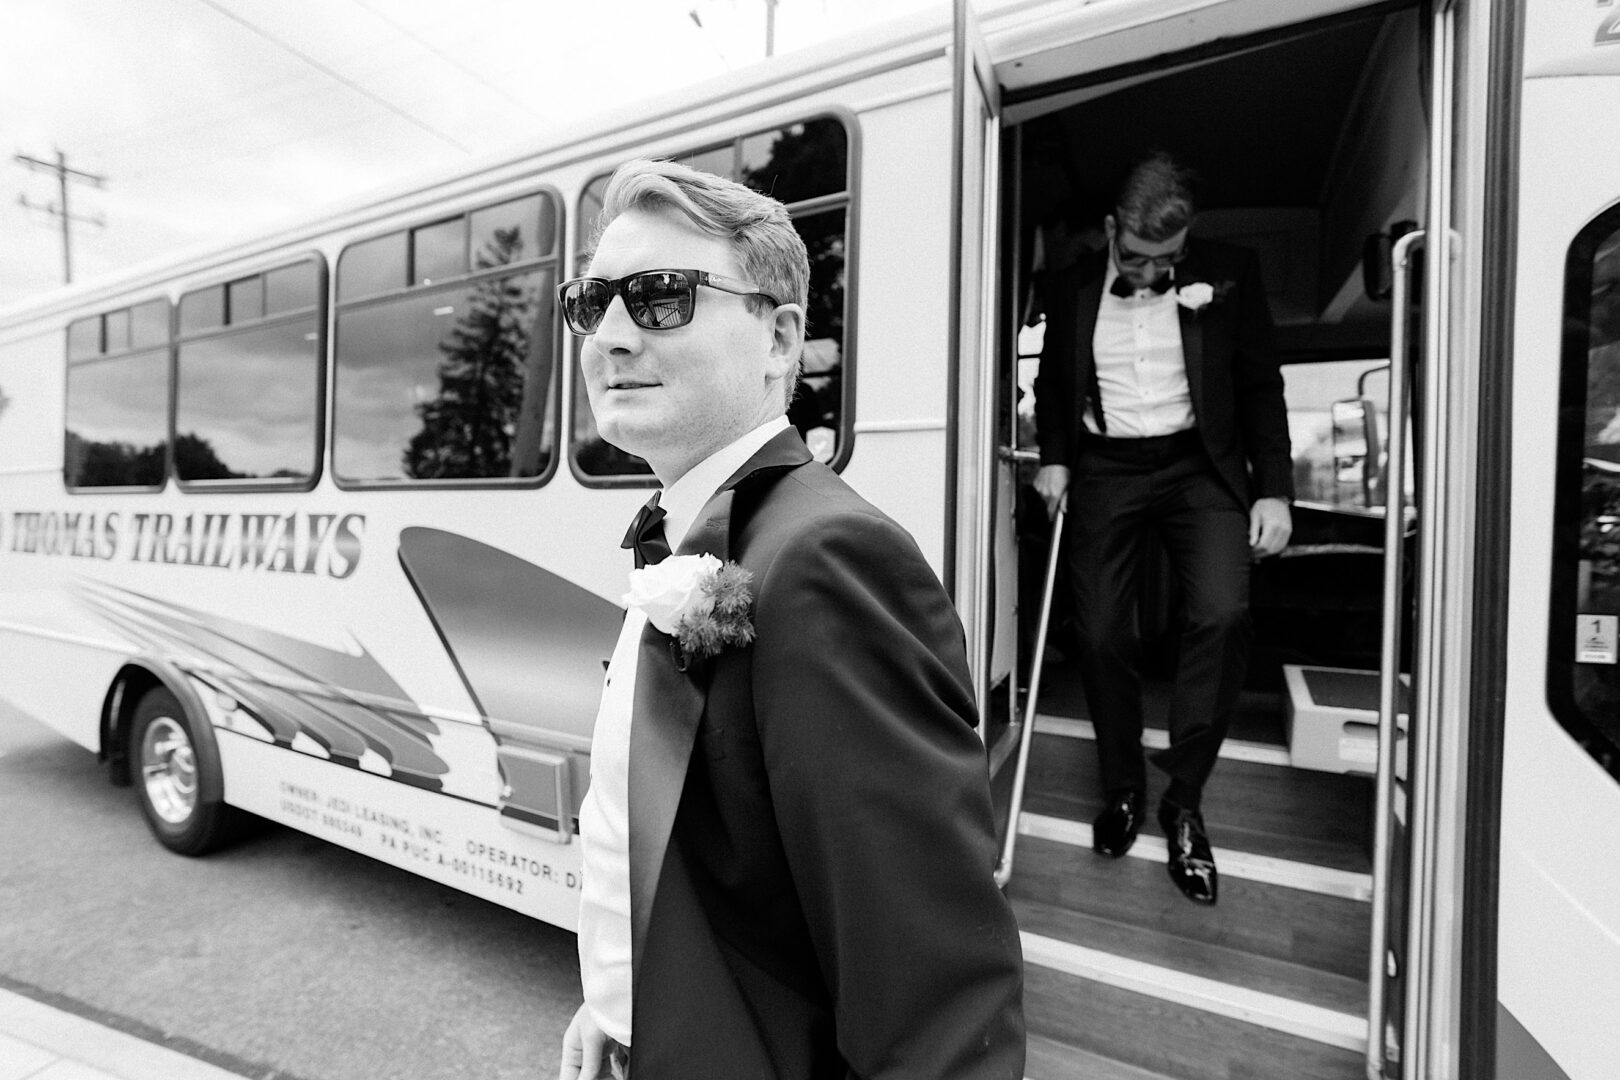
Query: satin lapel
[669, 702]
[1192, 331]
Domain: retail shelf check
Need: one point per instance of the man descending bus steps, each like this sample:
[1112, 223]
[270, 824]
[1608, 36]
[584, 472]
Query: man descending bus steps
[787, 837]
[1160, 395]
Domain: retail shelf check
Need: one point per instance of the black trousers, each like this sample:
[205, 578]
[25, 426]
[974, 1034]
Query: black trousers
[1121, 493]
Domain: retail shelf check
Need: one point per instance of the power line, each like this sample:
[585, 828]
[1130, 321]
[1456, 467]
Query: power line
[63, 175]
[335, 75]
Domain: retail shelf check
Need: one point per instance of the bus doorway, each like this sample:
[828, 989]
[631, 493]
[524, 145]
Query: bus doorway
[1311, 148]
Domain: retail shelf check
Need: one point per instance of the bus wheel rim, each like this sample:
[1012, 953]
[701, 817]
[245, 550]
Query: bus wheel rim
[169, 770]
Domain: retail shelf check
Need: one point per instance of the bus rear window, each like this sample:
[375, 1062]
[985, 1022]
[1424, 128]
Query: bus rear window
[1583, 679]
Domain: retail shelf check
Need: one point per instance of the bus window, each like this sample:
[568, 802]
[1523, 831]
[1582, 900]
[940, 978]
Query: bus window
[439, 252]
[1584, 655]
[118, 399]
[531, 224]
[149, 324]
[202, 310]
[247, 400]
[807, 166]
[451, 381]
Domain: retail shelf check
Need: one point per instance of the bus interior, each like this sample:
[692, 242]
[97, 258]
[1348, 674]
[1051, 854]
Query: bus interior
[1309, 145]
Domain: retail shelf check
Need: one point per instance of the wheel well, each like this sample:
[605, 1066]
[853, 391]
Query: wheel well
[118, 708]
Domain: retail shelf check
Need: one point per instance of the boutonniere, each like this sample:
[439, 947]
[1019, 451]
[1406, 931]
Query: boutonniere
[1197, 295]
[696, 599]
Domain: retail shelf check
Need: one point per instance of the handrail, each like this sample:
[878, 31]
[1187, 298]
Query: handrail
[1004, 868]
[1390, 657]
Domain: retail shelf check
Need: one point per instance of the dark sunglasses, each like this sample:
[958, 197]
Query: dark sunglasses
[655, 299]
[1136, 259]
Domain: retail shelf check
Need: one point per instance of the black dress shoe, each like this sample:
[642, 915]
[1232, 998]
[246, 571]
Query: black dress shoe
[1192, 865]
[1115, 829]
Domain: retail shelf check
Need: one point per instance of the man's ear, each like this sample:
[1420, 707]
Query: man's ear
[1110, 226]
[787, 339]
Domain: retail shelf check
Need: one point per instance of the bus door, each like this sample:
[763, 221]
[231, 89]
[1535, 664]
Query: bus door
[982, 477]
[1301, 969]
[1557, 936]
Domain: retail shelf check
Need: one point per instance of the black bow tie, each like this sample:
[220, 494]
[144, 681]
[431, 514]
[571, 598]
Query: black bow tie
[1121, 287]
[646, 535]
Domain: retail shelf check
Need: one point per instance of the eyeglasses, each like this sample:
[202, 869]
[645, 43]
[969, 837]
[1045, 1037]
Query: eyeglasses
[1137, 260]
[655, 299]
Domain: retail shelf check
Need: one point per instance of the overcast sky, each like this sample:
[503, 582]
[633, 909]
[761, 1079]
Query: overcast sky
[214, 118]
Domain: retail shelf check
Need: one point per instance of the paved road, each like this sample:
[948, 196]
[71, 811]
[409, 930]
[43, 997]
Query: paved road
[283, 957]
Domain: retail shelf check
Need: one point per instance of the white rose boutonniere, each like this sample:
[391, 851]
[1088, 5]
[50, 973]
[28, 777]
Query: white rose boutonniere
[1195, 295]
[696, 599]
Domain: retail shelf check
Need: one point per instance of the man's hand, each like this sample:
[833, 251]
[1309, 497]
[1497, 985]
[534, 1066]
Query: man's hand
[582, 1048]
[1270, 526]
[1051, 483]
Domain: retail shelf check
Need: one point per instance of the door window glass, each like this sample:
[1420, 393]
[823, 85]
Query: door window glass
[1584, 655]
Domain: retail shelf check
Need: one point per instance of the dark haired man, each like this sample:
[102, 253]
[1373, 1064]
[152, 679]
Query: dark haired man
[1160, 412]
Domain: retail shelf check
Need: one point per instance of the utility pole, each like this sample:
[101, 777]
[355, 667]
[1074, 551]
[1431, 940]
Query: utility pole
[63, 175]
[770, 27]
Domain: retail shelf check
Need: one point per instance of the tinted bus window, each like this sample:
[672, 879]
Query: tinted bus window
[291, 288]
[439, 252]
[118, 399]
[372, 267]
[149, 324]
[247, 404]
[84, 339]
[807, 166]
[455, 382]
[246, 299]
[202, 310]
[247, 400]
[1584, 646]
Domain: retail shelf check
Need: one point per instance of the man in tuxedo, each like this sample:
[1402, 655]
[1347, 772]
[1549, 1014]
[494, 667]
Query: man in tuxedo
[788, 842]
[1159, 407]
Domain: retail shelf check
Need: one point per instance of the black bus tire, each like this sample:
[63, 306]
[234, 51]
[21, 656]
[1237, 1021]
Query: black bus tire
[168, 775]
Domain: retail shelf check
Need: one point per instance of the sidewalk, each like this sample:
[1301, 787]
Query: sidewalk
[38, 1042]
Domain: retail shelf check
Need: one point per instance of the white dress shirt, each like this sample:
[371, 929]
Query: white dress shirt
[604, 816]
[1140, 369]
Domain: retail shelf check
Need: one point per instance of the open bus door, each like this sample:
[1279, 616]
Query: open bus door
[1321, 958]
[983, 562]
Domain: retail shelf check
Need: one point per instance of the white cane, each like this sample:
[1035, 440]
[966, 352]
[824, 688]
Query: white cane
[1005, 867]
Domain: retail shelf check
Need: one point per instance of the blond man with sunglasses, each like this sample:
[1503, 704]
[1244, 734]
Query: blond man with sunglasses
[1160, 413]
[787, 836]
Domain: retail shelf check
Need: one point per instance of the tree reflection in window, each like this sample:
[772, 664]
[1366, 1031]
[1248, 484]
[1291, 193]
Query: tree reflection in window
[117, 406]
[422, 398]
[487, 417]
[247, 393]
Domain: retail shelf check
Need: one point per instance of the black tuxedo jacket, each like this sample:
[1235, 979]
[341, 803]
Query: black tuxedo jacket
[811, 845]
[1231, 358]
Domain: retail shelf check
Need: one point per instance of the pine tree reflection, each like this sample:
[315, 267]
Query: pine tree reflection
[489, 416]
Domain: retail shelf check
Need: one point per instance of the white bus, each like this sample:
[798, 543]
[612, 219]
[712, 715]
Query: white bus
[317, 527]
